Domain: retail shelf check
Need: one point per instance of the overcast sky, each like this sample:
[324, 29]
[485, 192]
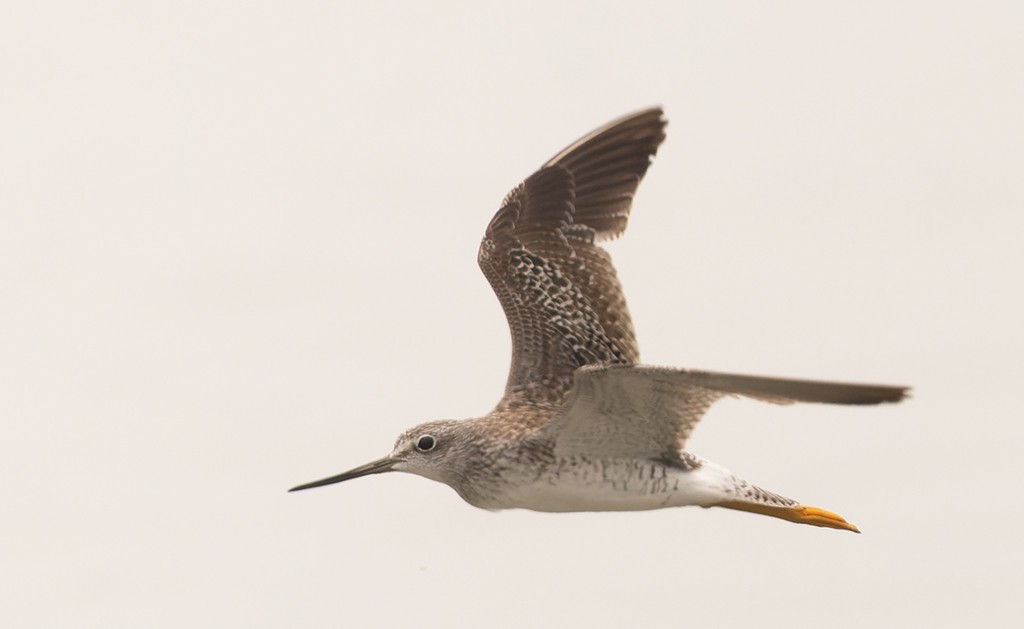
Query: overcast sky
[237, 253]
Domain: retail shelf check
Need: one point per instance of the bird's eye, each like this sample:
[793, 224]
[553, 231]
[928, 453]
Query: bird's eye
[425, 443]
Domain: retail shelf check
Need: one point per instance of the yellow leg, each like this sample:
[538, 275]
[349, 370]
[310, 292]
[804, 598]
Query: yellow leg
[801, 514]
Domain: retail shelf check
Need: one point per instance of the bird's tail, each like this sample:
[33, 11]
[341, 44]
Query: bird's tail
[756, 500]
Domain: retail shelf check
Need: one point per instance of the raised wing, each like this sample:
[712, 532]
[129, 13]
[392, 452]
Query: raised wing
[649, 412]
[557, 286]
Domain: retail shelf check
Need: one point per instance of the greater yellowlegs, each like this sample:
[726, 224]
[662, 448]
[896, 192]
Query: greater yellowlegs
[582, 426]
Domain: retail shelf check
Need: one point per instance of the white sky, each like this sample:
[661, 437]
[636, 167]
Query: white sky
[237, 253]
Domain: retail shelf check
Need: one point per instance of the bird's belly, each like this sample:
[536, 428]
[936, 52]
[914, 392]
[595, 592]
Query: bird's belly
[611, 485]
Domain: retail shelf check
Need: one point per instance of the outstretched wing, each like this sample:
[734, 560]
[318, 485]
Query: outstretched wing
[649, 412]
[557, 286]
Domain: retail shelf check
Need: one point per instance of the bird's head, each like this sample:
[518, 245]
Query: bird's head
[432, 450]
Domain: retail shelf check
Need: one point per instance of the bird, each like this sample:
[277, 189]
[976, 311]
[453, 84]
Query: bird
[583, 425]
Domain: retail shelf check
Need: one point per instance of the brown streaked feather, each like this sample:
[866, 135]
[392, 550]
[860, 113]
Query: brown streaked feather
[557, 286]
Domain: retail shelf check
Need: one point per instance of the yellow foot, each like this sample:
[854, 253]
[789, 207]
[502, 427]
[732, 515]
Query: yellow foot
[819, 517]
[801, 514]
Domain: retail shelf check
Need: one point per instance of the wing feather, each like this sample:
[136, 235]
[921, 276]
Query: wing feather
[638, 411]
[557, 286]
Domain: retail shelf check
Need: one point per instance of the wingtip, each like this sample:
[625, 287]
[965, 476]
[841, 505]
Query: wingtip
[884, 394]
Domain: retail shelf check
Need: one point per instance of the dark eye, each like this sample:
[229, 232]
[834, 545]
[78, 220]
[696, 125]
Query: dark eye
[425, 443]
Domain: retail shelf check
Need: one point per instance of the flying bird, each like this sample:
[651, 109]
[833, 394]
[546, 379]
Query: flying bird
[583, 426]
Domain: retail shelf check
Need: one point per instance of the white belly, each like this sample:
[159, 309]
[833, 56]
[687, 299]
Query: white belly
[619, 486]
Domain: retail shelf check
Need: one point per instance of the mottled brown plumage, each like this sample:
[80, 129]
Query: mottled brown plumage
[582, 426]
[540, 253]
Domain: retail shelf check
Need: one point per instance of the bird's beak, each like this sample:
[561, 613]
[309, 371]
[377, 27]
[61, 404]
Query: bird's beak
[374, 467]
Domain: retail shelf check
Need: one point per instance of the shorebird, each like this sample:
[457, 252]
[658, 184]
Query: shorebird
[582, 425]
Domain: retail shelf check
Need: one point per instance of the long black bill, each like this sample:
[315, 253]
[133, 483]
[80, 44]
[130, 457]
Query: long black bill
[374, 467]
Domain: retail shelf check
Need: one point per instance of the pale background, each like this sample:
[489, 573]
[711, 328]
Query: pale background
[237, 253]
